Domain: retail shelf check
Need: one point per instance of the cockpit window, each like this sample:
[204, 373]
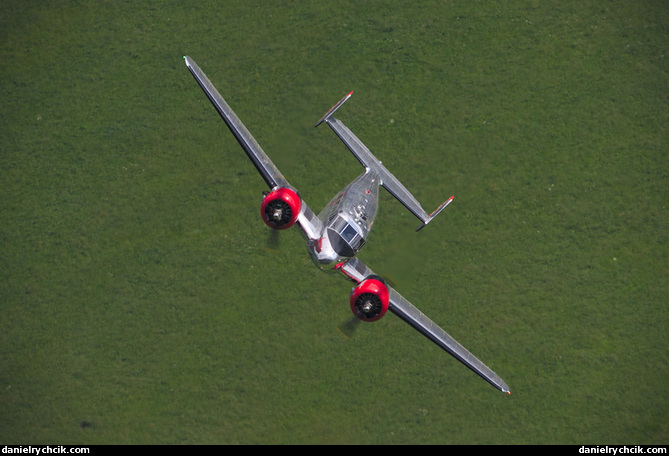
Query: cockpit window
[348, 233]
[344, 237]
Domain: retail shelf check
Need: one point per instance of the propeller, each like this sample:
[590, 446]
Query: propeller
[279, 212]
[348, 327]
[367, 303]
[272, 242]
[276, 211]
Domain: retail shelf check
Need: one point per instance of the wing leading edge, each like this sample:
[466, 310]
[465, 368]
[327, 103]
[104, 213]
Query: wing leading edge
[265, 167]
[357, 271]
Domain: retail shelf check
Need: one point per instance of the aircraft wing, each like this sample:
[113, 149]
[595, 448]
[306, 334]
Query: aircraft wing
[357, 271]
[307, 220]
[265, 167]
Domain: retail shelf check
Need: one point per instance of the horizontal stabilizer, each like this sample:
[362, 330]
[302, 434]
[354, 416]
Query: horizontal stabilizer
[369, 161]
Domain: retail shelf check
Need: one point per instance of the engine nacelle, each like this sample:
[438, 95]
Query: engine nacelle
[370, 298]
[280, 208]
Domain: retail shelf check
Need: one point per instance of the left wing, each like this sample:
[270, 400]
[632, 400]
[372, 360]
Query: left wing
[358, 271]
[265, 167]
[309, 223]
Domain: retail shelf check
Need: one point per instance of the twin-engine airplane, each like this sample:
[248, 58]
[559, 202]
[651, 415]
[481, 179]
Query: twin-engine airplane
[338, 233]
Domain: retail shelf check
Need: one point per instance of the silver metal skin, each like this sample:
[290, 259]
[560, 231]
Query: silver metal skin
[337, 234]
[347, 220]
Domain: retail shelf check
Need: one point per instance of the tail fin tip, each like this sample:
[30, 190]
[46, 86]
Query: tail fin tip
[334, 108]
[436, 212]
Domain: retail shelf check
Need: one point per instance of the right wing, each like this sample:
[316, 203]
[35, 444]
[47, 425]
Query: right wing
[358, 271]
[368, 160]
[307, 220]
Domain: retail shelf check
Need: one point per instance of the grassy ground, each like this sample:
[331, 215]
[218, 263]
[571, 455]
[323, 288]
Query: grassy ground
[139, 300]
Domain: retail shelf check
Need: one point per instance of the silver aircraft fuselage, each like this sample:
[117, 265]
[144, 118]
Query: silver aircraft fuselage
[347, 221]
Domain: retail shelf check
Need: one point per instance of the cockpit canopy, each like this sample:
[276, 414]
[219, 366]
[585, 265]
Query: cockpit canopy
[345, 237]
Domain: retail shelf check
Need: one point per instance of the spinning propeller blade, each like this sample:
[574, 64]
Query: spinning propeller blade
[348, 327]
[272, 242]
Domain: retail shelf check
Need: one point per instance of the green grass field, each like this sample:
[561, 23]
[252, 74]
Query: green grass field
[140, 302]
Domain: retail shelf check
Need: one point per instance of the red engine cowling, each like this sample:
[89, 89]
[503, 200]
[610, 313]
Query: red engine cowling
[280, 208]
[369, 299]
